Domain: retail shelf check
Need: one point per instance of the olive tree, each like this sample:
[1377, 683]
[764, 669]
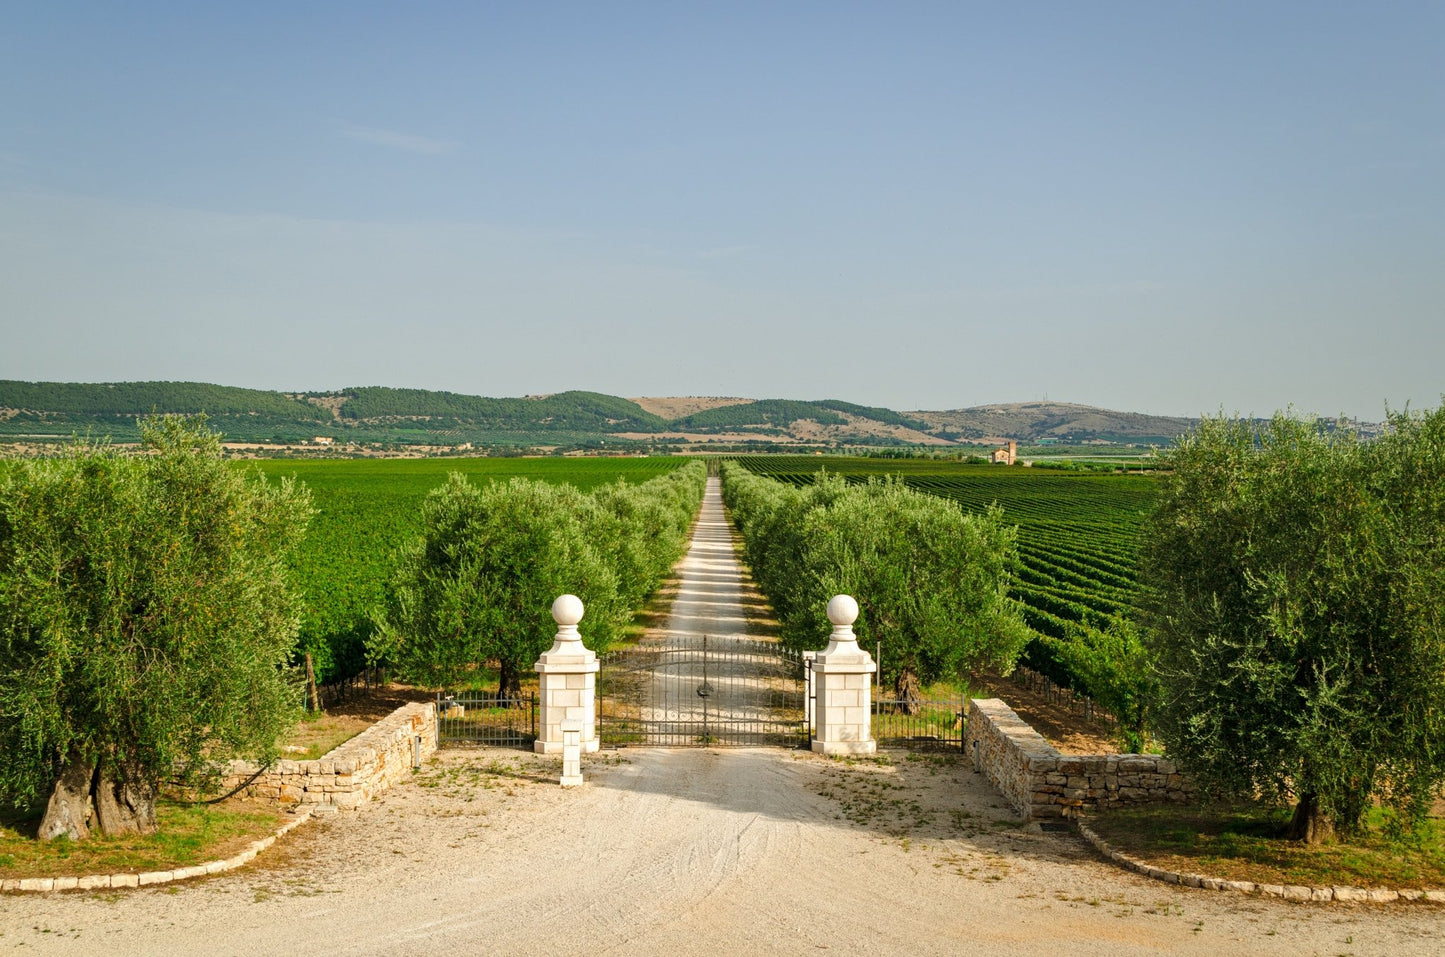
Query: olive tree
[145, 618]
[1295, 579]
[477, 585]
[641, 530]
[931, 580]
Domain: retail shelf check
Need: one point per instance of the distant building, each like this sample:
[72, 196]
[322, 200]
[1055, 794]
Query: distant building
[323, 440]
[1007, 455]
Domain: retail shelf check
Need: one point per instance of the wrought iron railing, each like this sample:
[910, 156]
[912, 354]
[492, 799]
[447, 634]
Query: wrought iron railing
[925, 724]
[477, 717]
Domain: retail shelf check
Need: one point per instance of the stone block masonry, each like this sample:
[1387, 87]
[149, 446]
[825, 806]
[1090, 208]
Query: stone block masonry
[567, 680]
[352, 773]
[1041, 783]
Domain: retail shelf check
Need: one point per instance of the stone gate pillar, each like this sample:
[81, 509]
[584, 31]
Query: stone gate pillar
[843, 684]
[568, 676]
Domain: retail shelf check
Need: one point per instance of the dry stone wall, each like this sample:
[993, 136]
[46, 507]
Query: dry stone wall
[1040, 783]
[351, 774]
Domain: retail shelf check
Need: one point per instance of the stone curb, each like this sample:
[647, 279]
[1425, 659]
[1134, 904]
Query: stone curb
[93, 882]
[1364, 895]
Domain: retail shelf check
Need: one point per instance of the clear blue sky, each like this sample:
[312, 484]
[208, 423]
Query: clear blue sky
[1147, 206]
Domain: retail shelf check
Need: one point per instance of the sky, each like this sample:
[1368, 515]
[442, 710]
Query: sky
[1156, 207]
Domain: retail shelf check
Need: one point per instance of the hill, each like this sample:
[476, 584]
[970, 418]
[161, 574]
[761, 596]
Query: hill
[1063, 421]
[562, 412]
[63, 409]
[380, 416]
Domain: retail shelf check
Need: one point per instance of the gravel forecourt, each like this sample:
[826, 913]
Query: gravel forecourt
[692, 851]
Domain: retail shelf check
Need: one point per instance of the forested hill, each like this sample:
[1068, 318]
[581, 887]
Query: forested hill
[31, 410]
[782, 413]
[129, 399]
[563, 412]
[378, 415]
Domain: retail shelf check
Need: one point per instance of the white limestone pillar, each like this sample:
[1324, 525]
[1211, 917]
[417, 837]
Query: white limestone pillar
[568, 676]
[571, 754]
[843, 685]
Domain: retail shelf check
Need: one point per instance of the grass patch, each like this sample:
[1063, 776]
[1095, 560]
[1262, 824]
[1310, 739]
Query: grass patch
[320, 733]
[188, 835]
[1244, 842]
[940, 721]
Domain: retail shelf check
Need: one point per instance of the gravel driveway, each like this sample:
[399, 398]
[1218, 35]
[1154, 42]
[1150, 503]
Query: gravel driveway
[692, 851]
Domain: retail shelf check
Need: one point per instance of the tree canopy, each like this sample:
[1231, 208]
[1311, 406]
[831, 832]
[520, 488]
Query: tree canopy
[476, 586]
[931, 581]
[145, 619]
[1296, 579]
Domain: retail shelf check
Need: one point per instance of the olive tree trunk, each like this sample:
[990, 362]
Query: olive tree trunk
[509, 682]
[124, 807]
[1310, 824]
[68, 812]
[86, 799]
[910, 694]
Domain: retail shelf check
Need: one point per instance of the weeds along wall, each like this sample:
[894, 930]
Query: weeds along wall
[931, 581]
[1041, 783]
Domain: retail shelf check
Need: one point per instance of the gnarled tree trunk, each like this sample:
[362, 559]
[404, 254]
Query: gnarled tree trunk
[910, 695]
[124, 807]
[509, 683]
[1310, 823]
[69, 809]
[86, 798]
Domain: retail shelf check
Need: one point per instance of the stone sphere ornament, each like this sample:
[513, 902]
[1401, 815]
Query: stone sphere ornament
[567, 610]
[842, 609]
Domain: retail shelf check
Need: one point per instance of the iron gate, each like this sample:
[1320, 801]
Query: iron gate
[697, 691]
[476, 717]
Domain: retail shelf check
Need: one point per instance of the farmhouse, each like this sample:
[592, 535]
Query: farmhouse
[1006, 455]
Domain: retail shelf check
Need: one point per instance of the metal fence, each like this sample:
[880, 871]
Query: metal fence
[476, 717]
[932, 724]
[336, 692]
[1061, 695]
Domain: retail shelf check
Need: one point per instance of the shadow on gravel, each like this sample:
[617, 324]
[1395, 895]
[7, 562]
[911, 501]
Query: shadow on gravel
[911, 798]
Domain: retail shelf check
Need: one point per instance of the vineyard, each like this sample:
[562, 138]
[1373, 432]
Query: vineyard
[366, 508]
[1077, 548]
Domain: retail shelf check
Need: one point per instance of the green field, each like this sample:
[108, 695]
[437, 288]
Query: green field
[1077, 531]
[366, 508]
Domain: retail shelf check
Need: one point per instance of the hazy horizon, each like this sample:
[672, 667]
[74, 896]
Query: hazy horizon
[920, 206]
[311, 391]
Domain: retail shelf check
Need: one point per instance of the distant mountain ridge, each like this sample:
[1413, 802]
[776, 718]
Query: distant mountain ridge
[378, 414]
[1062, 421]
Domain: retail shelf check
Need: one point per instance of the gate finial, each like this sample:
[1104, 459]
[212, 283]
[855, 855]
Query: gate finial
[843, 611]
[567, 611]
